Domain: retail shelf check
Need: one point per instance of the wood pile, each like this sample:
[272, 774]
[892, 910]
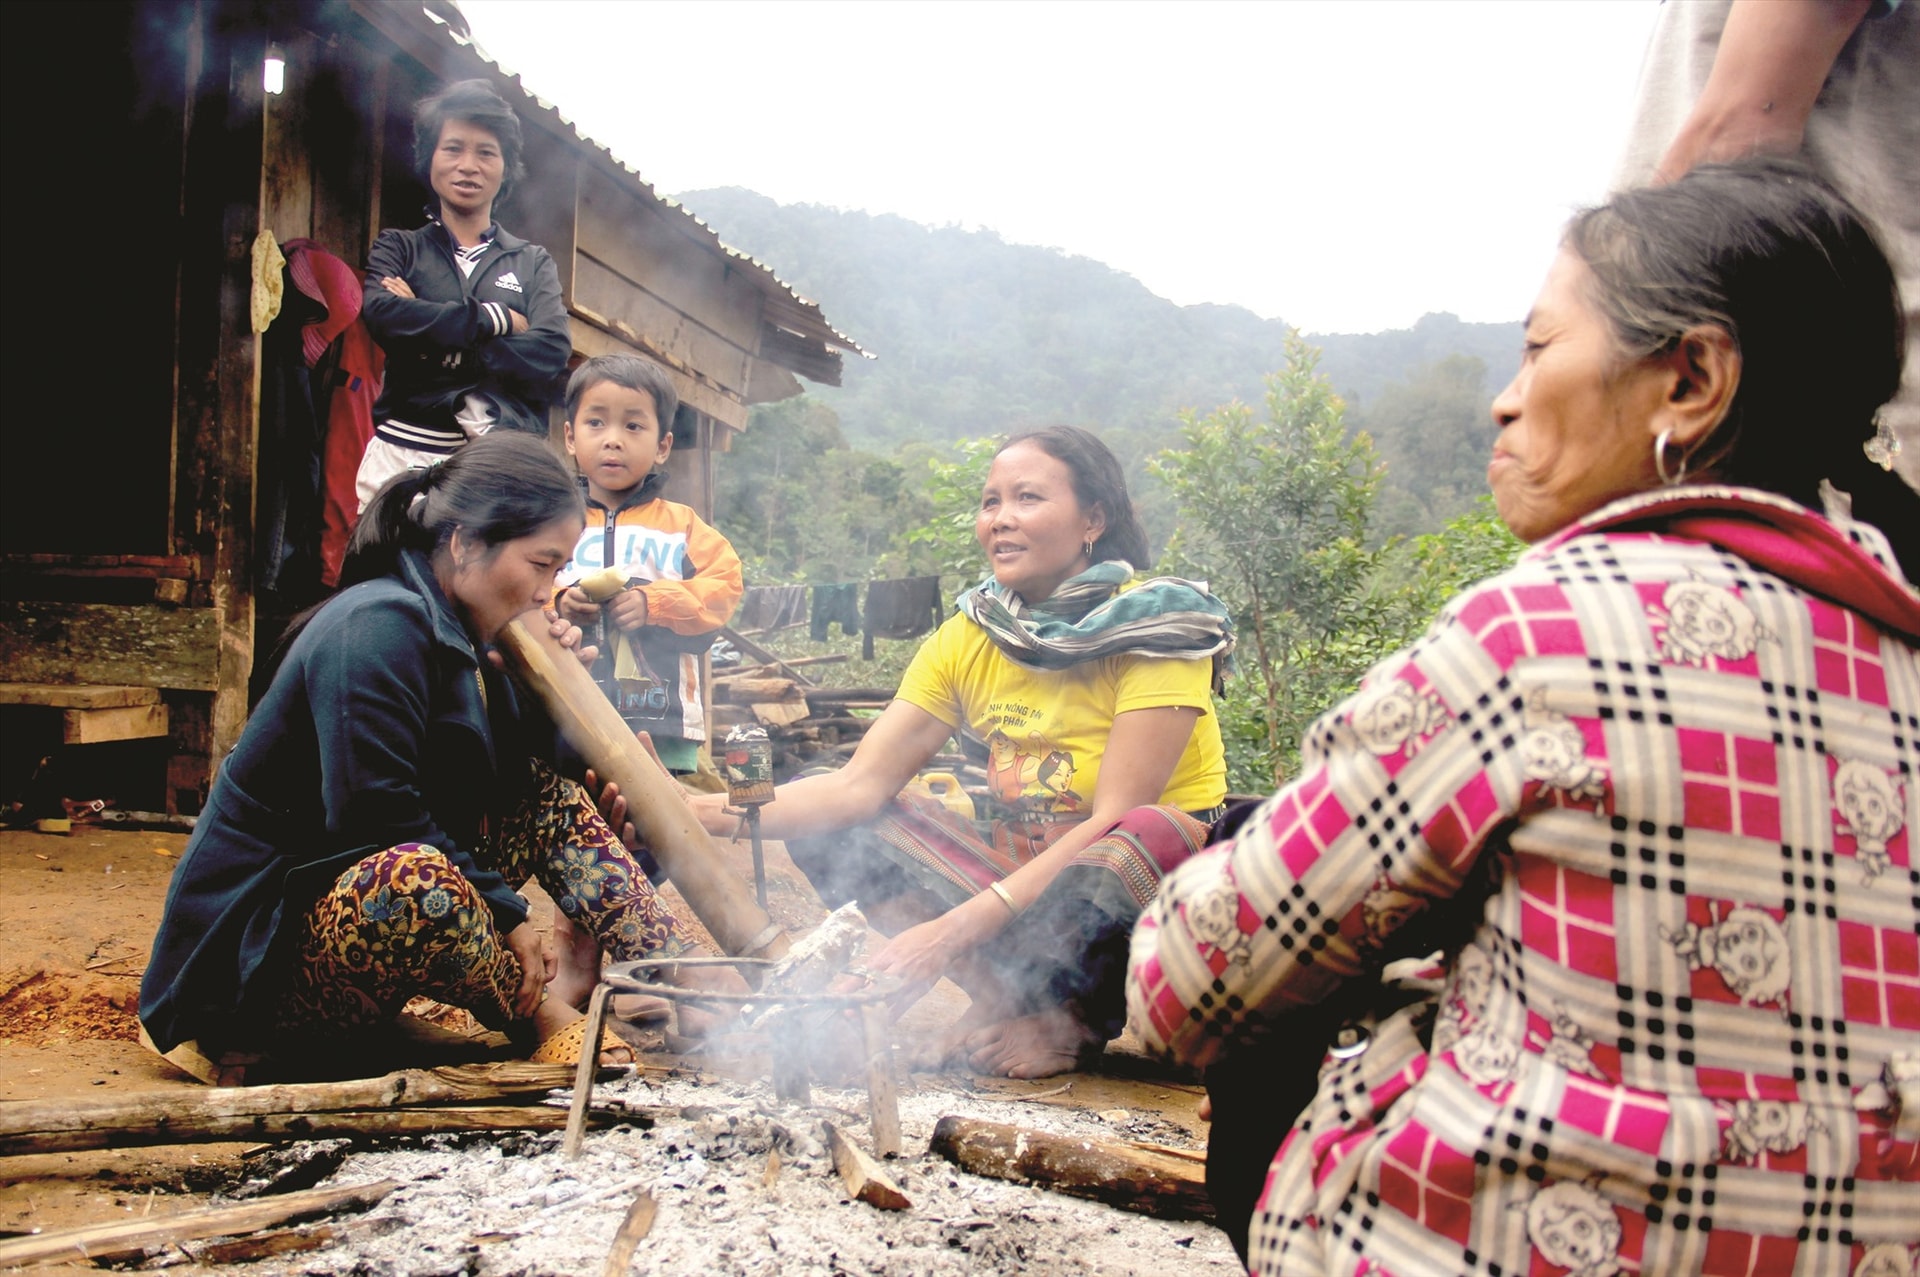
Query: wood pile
[809, 725]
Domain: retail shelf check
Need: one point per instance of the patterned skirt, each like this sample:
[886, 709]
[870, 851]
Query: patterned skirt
[405, 922]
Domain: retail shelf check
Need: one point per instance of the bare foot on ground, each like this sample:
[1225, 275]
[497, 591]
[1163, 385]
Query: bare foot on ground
[1039, 1045]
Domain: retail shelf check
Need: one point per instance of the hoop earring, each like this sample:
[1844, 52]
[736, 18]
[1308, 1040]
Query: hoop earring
[1087, 549]
[1885, 445]
[1679, 475]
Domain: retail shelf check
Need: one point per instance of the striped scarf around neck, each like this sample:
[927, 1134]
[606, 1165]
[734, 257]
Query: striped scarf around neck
[1089, 617]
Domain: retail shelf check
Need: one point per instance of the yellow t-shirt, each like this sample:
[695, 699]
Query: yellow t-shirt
[1046, 730]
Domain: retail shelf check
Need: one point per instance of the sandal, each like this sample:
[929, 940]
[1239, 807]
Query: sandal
[565, 1044]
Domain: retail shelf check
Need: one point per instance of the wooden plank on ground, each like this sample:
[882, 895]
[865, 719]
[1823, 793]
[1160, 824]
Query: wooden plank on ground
[45, 1125]
[127, 1239]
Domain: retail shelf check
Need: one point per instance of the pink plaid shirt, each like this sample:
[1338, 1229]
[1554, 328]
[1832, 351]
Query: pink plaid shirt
[1685, 1036]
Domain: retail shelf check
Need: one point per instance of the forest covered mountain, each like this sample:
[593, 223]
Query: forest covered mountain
[976, 336]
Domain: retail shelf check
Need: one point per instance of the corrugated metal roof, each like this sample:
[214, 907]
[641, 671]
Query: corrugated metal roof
[799, 315]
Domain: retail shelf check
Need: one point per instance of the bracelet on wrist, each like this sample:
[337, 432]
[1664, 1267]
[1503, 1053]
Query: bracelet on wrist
[1006, 897]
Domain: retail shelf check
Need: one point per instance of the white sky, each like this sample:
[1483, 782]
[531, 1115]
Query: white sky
[1347, 167]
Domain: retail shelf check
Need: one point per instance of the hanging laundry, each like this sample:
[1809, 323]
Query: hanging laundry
[835, 603]
[901, 609]
[771, 607]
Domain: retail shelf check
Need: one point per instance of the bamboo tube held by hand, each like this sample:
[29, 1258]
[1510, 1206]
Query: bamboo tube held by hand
[658, 809]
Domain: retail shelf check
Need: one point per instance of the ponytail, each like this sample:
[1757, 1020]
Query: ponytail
[503, 485]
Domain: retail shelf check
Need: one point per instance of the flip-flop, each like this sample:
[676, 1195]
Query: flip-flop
[565, 1044]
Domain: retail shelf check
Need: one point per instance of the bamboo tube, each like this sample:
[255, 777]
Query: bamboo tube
[654, 803]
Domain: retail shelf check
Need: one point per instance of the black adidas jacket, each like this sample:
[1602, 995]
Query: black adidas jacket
[450, 337]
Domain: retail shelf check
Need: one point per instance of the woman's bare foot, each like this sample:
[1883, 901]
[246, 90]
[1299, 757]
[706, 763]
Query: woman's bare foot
[706, 1020]
[579, 967]
[1038, 1045]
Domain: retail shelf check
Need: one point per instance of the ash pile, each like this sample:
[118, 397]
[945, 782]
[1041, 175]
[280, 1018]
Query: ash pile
[742, 1184]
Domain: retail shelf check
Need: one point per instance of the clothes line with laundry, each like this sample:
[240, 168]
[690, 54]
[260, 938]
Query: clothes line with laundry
[897, 608]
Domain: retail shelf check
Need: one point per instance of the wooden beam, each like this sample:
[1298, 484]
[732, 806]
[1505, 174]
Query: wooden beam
[77, 696]
[593, 334]
[636, 237]
[658, 320]
[144, 645]
[126, 722]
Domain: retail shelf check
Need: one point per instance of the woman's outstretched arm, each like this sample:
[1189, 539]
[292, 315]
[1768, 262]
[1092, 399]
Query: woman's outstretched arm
[1142, 751]
[901, 741]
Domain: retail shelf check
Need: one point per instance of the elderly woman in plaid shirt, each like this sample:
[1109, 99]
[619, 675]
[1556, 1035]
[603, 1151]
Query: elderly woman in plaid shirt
[1604, 892]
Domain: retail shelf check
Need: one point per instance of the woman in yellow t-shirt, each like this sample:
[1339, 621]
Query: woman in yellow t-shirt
[1094, 698]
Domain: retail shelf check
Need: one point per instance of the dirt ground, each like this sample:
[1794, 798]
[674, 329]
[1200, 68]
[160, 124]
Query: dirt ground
[77, 914]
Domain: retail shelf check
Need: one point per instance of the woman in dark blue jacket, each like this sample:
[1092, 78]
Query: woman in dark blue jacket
[361, 844]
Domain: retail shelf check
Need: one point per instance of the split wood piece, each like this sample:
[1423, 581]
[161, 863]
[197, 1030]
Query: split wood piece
[635, 1227]
[779, 713]
[883, 1096]
[761, 654]
[583, 1072]
[742, 689]
[129, 1239]
[168, 1117]
[777, 664]
[657, 806]
[355, 1124]
[850, 695]
[1130, 1178]
[862, 1175]
[287, 1241]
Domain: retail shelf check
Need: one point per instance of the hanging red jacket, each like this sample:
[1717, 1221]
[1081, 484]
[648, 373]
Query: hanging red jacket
[356, 384]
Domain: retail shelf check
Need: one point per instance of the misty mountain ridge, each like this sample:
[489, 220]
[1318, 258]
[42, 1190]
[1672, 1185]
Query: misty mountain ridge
[978, 336]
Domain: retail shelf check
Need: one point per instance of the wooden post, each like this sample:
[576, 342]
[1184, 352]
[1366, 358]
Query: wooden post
[584, 1071]
[883, 1096]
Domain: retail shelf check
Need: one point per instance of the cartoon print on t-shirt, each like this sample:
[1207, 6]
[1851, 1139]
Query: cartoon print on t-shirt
[1392, 713]
[1569, 1047]
[1574, 1227]
[1484, 1057]
[1385, 909]
[1055, 776]
[1886, 1259]
[1215, 919]
[1867, 803]
[1747, 946]
[1553, 752]
[1040, 779]
[1766, 1126]
[1703, 620]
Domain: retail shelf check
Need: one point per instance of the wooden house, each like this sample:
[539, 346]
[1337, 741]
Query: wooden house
[148, 158]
